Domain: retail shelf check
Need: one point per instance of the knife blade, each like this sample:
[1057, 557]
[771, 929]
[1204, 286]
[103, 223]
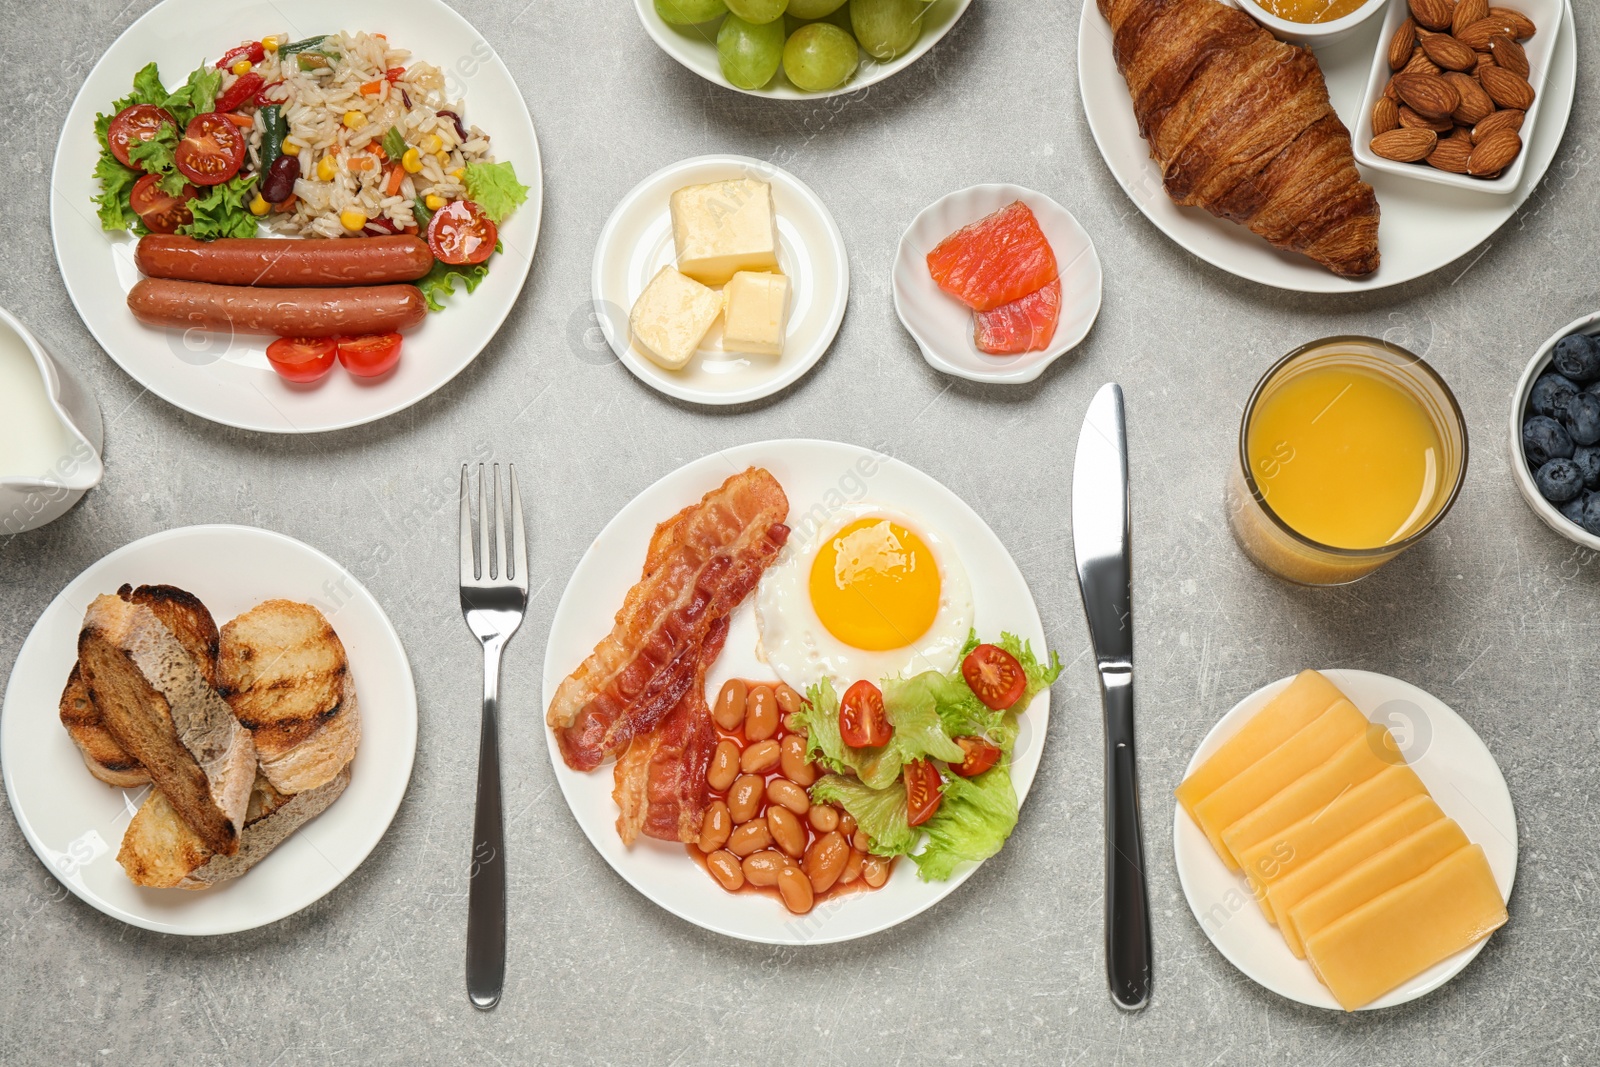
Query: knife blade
[1102, 544]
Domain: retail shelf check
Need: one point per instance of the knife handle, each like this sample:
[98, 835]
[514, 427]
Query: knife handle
[1127, 900]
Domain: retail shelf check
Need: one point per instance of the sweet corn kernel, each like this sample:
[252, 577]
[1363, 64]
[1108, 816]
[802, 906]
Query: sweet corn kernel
[352, 220]
[241, 67]
[411, 161]
[459, 173]
[269, 43]
[327, 168]
[434, 201]
[431, 143]
[443, 158]
[354, 119]
[259, 206]
[290, 148]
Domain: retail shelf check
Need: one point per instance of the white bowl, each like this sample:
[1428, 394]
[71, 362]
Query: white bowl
[1547, 511]
[696, 48]
[1314, 34]
[942, 325]
[1548, 15]
[30, 499]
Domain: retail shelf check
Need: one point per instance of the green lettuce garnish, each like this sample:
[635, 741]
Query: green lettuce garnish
[917, 734]
[972, 823]
[440, 282]
[223, 210]
[881, 813]
[116, 182]
[196, 96]
[156, 156]
[494, 188]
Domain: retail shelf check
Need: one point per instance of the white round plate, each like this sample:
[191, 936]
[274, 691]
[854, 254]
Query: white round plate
[942, 326]
[637, 242]
[820, 477]
[696, 48]
[1424, 226]
[75, 822]
[227, 379]
[1453, 763]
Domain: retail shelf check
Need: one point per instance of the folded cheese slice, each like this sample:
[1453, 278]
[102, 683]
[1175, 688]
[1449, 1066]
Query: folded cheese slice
[1381, 871]
[1308, 696]
[1398, 935]
[1256, 784]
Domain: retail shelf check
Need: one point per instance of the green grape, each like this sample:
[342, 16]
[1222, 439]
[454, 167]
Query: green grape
[887, 28]
[840, 17]
[814, 9]
[758, 12]
[690, 12]
[749, 54]
[820, 56]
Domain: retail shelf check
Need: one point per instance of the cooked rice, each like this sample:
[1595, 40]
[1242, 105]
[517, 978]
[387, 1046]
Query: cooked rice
[315, 103]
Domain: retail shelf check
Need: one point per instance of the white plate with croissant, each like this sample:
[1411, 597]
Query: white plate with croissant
[198, 747]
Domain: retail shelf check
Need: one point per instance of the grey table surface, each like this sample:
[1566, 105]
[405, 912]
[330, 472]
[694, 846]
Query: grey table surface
[1494, 613]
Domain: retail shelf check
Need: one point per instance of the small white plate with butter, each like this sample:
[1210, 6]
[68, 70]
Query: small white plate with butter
[638, 241]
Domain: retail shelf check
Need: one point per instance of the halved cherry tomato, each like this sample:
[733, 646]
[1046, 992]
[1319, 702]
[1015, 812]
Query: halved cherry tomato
[862, 721]
[255, 52]
[212, 150]
[241, 92]
[394, 74]
[461, 234]
[981, 755]
[137, 123]
[924, 791]
[368, 357]
[995, 676]
[161, 213]
[301, 359]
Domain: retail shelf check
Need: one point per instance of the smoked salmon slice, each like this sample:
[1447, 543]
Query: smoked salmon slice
[998, 259]
[1025, 325]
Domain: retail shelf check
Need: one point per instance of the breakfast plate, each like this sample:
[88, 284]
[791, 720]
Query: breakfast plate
[822, 479]
[1453, 763]
[1423, 226]
[696, 48]
[942, 326]
[637, 241]
[228, 379]
[75, 823]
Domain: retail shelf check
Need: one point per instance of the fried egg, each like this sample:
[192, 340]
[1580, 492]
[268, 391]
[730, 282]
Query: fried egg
[872, 594]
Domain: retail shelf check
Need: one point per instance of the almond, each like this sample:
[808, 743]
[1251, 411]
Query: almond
[1385, 115]
[1484, 60]
[1402, 44]
[1434, 14]
[1448, 52]
[1510, 119]
[1504, 88]
[1478, 35]
[1451, 155]
[1428, 94]
[1420, 64]
[1410, 120]
[1510, 55]
[1405, 146]
[1475, 103]
[1522, 26]
[1467, 12]
[1494, 153]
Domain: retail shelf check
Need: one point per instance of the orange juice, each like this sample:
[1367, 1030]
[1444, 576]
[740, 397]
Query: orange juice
[1346, 456]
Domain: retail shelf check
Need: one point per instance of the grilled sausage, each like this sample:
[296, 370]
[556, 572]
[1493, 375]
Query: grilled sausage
[289, 262]
[370, 309]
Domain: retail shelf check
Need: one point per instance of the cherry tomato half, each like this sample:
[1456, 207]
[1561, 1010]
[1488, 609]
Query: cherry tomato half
[301, 359]
[924, 791]
[461, 234]
[161, 213]
[368, 357]
[241, 92]
[862, 721]
[137, 123]
[981, 755]
[212, 150]
[995, 676]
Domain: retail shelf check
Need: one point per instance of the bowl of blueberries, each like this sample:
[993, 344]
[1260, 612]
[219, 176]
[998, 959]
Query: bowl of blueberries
[1555, 432]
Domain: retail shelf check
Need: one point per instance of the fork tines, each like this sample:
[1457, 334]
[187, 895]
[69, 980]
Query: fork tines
[480, 568]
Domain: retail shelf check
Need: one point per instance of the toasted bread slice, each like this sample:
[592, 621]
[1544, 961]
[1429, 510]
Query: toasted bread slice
[191, 624]
[159, 849]
[157, 704]
[283, 671]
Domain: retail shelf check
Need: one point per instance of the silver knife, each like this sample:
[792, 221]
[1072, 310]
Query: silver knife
[1103, 546]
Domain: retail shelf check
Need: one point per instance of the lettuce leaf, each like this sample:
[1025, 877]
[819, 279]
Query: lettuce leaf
[917, 734]
[196, 96]
[116, 181]
[156, 156]
[223, 210]
[879, 812]
[972, 823]
[494, 188]
[440, 282]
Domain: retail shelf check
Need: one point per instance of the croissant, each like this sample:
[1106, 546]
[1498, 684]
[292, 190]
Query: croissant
[1241, 125]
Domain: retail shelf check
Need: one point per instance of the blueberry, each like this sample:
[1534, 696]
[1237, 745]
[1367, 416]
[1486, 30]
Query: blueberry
[1573, 509]
[1578, 357]
[1591, 514]
[1543, 439]
[1588, 460]
[1581, 419]
[1559, 480]
[1550, 394]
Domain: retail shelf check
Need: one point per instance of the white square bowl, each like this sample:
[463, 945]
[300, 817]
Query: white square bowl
[1547, 15]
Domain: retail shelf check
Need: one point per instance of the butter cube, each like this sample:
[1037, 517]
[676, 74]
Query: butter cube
[671, 317]
[723, 228]
[756, 313]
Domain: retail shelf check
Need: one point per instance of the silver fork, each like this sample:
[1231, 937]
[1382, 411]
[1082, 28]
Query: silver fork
[494, 595]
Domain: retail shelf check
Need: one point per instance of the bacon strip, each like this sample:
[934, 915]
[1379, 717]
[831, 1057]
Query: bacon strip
[701, 564]
[661, 786]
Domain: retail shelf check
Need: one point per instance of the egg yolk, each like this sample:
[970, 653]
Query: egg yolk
[875, 585]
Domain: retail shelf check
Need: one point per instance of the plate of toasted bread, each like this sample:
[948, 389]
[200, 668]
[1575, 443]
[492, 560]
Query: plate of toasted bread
[199, 748]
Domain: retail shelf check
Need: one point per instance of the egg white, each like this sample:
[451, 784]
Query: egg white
[797, 645]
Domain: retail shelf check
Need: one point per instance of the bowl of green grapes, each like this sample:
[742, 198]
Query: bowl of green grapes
[797, 49]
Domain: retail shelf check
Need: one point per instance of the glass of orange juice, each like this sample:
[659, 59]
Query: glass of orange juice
[1350, 450]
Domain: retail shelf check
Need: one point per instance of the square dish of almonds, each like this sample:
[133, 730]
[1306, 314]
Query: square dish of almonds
[1455, 88]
